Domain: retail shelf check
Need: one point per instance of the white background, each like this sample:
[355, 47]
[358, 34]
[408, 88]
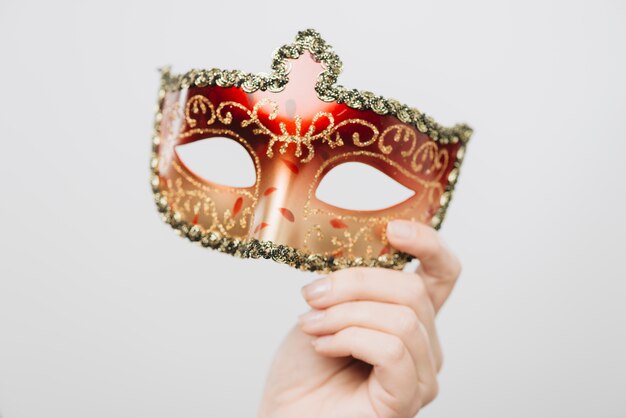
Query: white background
[104, 312]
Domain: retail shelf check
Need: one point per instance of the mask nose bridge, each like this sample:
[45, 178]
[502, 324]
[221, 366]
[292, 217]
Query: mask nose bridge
[274, 214]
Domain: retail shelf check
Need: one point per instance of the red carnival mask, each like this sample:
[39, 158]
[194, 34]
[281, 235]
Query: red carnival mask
[297, 125]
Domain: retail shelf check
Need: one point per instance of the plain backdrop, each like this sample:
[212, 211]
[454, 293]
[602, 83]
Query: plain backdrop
[104, 312]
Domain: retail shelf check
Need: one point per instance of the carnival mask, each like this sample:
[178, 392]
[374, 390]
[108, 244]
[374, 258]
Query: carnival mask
[297, 125]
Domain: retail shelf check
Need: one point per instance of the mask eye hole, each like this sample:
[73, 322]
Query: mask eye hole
[219, 160]
[358, 186]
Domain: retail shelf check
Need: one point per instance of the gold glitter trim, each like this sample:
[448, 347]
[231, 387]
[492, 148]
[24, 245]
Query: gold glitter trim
[254, 248]
[325, 87]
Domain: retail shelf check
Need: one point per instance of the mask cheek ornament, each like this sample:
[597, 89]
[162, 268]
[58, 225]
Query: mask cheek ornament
[297, 125]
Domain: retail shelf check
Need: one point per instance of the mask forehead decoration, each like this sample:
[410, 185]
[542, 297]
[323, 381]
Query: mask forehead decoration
[297, 124]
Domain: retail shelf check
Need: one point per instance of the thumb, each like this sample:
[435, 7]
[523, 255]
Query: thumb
[439, 267]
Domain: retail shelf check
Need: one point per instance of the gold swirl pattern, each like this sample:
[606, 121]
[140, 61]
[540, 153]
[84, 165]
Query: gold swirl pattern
[430, 160]
[401, 133]
[284, 138]
[427, 159]
[198, 202]
[328, 135]
[198, 105]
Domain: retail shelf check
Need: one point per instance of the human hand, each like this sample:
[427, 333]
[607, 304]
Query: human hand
[369, 346]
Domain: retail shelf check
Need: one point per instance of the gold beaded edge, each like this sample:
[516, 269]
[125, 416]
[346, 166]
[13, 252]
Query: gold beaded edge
[328, 91]
[325, 87]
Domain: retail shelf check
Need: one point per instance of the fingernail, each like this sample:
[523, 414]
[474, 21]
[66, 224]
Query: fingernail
[316, 289]
[400, 229]
[312, 316]
[321, 342]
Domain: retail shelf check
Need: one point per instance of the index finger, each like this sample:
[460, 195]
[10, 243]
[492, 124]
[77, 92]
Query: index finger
[373, 284]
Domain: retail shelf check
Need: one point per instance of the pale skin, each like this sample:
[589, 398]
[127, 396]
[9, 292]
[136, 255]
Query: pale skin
[368, 348]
